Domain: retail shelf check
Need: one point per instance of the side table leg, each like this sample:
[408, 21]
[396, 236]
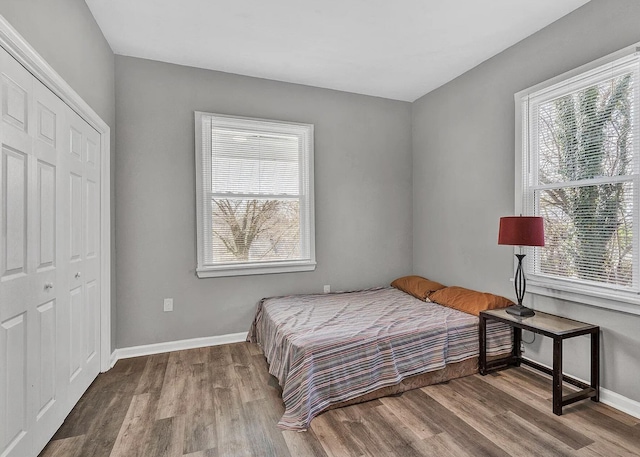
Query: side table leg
[517, 343]
[557, 376]
[482, 328]
[595, 364]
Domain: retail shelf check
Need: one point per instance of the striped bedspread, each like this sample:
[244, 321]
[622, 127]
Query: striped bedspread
[329, 348]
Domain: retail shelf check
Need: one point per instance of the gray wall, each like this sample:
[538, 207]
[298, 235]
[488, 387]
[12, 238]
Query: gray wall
[463, 177]
[66, 35]
[362, 196]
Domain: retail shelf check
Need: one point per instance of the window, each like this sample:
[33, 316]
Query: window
[580, 162]
[254, 187]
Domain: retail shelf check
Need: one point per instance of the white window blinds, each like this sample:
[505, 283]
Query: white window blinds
[580, 172]
[255, 195]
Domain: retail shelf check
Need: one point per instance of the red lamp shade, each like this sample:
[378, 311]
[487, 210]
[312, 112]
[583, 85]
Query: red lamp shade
[521, 231]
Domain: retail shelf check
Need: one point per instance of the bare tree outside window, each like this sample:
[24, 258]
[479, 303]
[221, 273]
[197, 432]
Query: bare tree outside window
[253, 230]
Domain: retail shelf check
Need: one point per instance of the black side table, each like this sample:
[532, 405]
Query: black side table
[554, 327]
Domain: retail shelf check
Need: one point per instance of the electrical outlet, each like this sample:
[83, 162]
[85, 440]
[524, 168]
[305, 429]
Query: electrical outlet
[168, 304]
[327, 288]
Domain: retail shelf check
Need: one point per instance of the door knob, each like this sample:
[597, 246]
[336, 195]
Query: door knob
[48, 285]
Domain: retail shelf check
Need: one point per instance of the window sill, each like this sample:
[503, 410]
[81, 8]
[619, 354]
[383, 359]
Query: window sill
[254, 269]
[607, 299]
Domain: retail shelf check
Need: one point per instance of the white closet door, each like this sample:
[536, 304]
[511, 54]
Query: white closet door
[49, 260]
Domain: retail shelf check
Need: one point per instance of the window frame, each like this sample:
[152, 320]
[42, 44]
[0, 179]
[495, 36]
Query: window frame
[607, 297]
[205, 269]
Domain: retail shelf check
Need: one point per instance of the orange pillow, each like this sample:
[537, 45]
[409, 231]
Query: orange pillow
[417, 286]
[468, 301]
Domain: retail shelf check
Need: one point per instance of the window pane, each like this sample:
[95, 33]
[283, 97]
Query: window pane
[255, 230]
[586, 133]
[251, 163]
[588, 233]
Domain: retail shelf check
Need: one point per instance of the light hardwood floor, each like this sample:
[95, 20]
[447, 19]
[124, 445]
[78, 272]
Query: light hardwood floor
[221, 401]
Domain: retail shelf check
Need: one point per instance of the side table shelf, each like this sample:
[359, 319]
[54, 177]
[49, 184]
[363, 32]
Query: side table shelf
[557, 328]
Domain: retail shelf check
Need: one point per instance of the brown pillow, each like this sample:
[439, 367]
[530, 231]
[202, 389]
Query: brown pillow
[468, 301]
[417, 286]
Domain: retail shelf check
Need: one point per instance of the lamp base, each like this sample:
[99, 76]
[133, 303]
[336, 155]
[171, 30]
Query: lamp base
[520, 311]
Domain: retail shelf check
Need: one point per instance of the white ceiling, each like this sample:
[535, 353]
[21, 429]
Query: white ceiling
[399, 49]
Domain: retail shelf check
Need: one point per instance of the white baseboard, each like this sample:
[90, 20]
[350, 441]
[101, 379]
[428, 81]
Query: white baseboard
[619, 402]
[169, 346]
[608, 397]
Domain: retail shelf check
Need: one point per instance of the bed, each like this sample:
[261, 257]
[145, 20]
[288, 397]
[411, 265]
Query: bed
[331, 350]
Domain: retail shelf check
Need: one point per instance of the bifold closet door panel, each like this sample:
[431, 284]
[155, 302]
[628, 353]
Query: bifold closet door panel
[17, 285]
[82, 178]
[51, 336]
[90, 275]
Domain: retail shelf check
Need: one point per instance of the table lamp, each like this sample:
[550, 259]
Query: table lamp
[521, 231]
